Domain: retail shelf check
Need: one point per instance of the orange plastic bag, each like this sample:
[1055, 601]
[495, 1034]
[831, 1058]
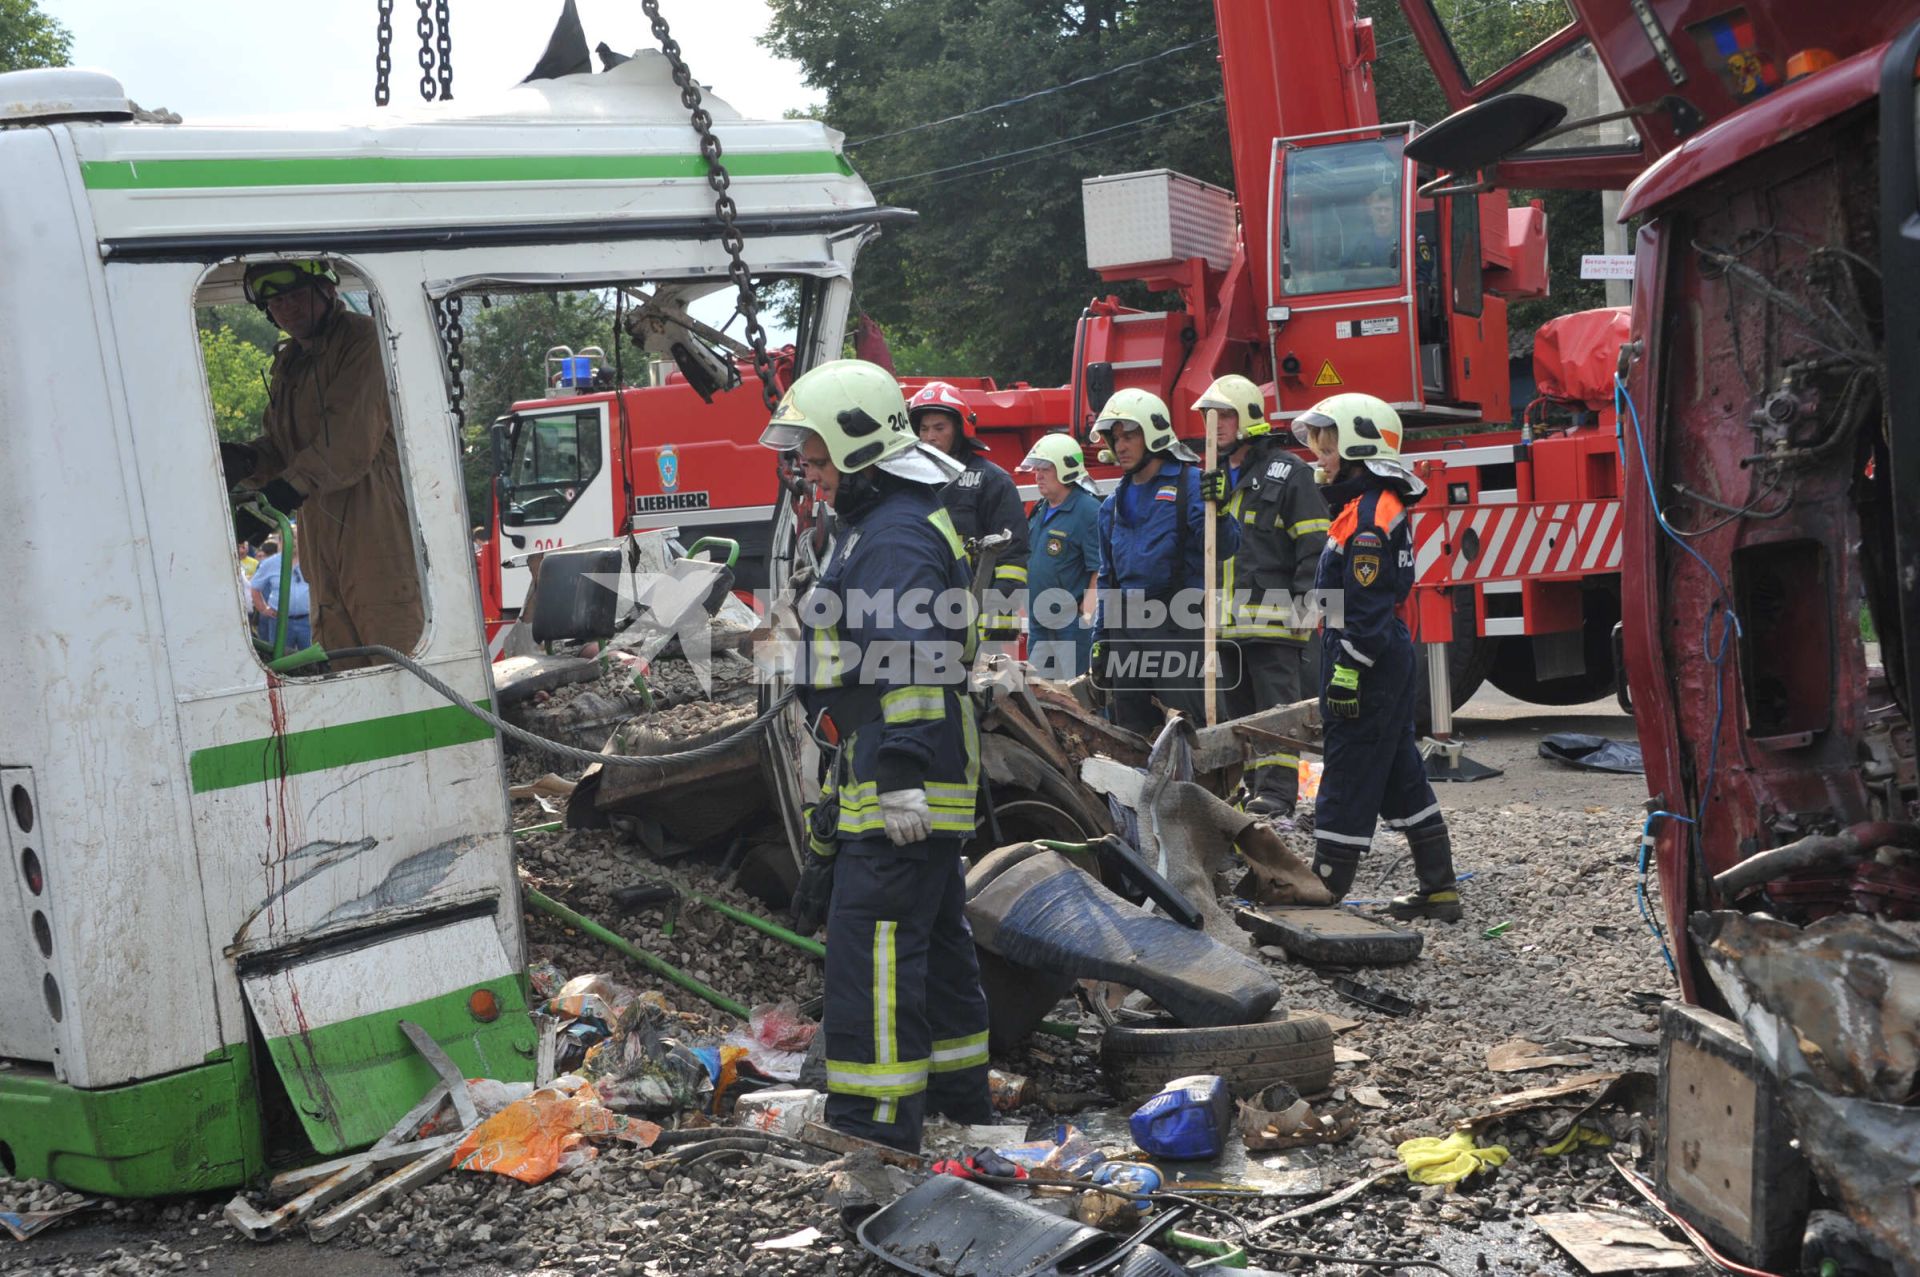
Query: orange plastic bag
[545, 1133]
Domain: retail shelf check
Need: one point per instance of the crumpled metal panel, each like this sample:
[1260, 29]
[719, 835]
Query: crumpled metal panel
[1833, 1011]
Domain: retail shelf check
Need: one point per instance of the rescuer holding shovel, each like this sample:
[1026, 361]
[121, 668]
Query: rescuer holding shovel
[329, 452]
[1369, 676]
[982, 500]
[1147, 632]
[1266, 586]
[884, 678]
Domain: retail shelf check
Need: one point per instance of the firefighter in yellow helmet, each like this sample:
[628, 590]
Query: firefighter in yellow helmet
[1370, 679]
[1265, 588]
[885, 682]
[1148, 626]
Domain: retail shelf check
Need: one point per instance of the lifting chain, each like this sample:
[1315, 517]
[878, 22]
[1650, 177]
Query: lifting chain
[723, 206]
[383, 59]
[443, 47]
[435, 29]
[424, 28]
[447, 312]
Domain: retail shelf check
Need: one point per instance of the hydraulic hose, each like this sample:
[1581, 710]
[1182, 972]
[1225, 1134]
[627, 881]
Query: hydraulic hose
[659, 966]
[573, 754]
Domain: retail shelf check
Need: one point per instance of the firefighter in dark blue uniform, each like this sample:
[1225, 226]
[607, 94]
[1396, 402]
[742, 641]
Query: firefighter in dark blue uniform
[982, 500]
[1148, 624]
[1369, 675]
[1265, 589]
[884, 677]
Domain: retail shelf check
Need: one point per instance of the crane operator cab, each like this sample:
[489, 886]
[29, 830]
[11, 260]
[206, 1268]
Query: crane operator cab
[1375, 286]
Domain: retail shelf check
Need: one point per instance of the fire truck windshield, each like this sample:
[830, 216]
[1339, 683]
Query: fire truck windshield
[553, 459]
[1342, 222]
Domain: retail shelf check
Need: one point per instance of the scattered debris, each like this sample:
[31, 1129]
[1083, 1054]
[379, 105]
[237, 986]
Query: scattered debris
[24, 1224]
[1278, 1118]
[1593, 753]
[1518, 1055]
[1374, 999]
[792, 1241]
[1189, 1119]
[1604, 1242]
[1449, 1159]
[1328, 936]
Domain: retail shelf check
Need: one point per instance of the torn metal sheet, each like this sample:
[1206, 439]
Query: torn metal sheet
[1833, 1011]
[1605, 1242]
[1847, 987]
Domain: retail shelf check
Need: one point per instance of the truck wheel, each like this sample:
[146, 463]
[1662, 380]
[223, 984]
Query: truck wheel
[1512, 669]
[1295, 1047]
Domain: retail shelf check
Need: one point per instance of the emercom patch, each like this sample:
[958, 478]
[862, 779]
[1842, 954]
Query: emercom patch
[1366, 568]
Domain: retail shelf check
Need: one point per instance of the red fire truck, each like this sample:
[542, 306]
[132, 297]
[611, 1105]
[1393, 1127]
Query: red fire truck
[587, 466]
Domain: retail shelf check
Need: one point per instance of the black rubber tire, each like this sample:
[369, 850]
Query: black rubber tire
[1295, 1048]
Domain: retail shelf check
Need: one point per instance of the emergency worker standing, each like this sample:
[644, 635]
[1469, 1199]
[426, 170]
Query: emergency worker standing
[983, 502]
[329, 452]
[1370, 677]
[884, 678]
[1147, 630]
[1063, 565]
[1265, 587]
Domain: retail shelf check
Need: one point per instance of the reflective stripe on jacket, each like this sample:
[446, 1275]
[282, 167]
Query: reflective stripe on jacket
[887, 600]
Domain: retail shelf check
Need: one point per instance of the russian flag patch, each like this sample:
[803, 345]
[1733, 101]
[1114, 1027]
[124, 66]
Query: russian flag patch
[1167, 494]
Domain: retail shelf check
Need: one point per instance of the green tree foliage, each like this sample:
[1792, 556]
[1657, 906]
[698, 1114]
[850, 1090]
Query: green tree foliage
[505, 350]
[30, 38]
[992, 276]
[236, 380]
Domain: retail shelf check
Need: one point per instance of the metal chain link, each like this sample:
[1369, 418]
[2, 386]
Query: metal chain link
[443, 44]
[447, 311]
[424, 27]
[383, 59]
[723, 205]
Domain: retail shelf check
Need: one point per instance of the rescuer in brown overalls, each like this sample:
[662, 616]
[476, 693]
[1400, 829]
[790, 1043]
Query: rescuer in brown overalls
[329, 452]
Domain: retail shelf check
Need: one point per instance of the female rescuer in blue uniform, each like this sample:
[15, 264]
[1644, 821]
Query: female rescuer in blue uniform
[1147, 629]
[1063, 558]
[1369, 676]
[884, 676]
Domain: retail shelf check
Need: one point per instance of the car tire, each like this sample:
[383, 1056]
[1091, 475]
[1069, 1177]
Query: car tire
[1295, 1047]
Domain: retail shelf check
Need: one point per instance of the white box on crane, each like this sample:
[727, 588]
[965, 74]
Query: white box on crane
[1134, 219]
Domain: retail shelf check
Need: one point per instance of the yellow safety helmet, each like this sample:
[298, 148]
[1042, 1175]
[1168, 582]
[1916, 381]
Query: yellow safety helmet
[1238, 395]
[264, 281]
[1063, 453]
[1146, 412]
[859, 413]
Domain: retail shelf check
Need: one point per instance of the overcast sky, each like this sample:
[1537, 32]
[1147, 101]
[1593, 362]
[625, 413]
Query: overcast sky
[254, 57]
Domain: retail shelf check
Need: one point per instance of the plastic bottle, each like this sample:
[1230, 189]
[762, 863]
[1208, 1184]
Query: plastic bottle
[1189, 1119]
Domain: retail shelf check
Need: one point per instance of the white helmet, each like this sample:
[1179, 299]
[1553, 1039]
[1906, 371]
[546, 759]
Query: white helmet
[1366, 429]
[1144, 411]
[1060, 451]
[859, 413]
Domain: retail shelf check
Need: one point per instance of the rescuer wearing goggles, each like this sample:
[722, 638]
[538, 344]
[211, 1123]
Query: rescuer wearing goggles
[329, 452]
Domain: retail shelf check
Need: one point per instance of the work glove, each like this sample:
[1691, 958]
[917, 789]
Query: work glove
[908, 818]
[813, 893]
[1213, 486]
[237, 461]
[282, 496]
[1343, 692]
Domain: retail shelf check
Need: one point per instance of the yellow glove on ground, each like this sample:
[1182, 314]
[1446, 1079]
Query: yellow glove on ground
[1448, 1161]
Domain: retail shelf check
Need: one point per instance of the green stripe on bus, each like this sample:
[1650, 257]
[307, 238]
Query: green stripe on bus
[402, 170]
[321, 748]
